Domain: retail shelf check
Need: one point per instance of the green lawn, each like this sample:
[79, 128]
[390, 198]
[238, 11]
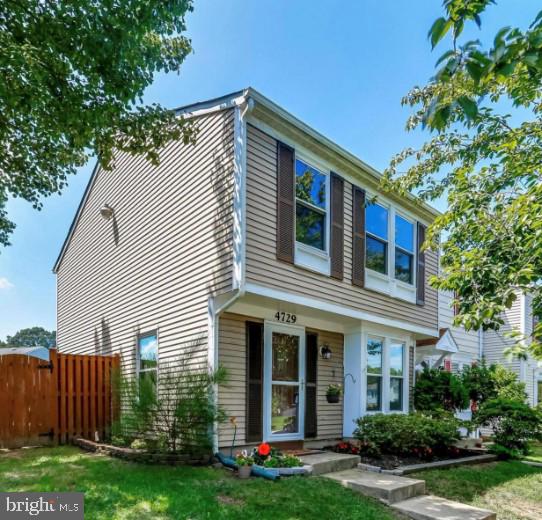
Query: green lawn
[512, 489]
[116, 490]
[536, 455]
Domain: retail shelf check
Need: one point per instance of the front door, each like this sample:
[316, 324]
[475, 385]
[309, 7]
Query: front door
[284, 382]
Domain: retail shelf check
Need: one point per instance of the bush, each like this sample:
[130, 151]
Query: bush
[437, 389]
[413, 434]
[176, 418]
[490, 382]
[514, 424]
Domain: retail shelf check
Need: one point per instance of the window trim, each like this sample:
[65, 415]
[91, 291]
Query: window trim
[139, 337]
[382, 370]
[398, 213]
[387, 283]
[385, 241]
[307, 256]
[403, 377]
[386, 376]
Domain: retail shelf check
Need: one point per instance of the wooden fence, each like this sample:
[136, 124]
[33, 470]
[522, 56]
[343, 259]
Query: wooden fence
[52, 402]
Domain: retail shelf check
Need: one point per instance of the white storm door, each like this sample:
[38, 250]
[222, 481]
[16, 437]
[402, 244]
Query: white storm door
[284, 382]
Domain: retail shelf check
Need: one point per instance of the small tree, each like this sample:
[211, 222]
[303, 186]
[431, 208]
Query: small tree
[484, 382]
[514, 424]
[437, 389]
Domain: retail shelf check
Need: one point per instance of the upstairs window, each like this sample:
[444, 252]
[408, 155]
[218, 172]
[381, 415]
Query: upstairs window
[376, 218]
[147, 358]
[404, 250]
[311, 207]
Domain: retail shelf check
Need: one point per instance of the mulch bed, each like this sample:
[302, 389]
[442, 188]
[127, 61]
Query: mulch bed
[393, 461]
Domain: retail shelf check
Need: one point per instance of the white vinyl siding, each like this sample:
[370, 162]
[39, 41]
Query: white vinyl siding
[155, 264]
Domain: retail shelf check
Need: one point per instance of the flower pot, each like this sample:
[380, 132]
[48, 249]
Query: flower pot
[333, 398]
[244, 471]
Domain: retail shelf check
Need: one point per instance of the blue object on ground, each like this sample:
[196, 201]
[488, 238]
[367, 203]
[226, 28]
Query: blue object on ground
[257, 471]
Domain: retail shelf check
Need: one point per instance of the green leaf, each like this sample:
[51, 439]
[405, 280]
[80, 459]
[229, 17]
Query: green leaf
[438, 30]
[469, 107]
[475, 71]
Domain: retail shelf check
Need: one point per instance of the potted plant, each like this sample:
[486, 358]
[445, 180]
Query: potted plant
[244, 464]
[333, 393]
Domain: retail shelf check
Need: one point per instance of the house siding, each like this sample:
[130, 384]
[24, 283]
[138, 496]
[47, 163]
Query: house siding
[468, 341]
[496, 342]
[263, 268]
[232, 395]
[154, 266]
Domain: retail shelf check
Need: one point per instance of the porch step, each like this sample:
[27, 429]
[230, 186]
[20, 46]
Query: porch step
[429, 507]
[388, 488]
[328, 461]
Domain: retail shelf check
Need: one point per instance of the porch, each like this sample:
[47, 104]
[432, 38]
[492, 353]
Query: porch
[282, 358]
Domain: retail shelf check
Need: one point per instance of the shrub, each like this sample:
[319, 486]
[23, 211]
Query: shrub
[514, 424]
[176, 418]
[437, 389]
[412, 434]
[485, 382]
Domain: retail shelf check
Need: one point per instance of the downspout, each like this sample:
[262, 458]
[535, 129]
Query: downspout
[239, 239]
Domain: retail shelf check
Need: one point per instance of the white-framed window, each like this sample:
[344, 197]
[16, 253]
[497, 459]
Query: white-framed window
[376, 238]
[397, 375]
[147, 357]
[311, 215]
[386, 375]
[375, 347]
[310, 206]
[390, 250]
[404, 249]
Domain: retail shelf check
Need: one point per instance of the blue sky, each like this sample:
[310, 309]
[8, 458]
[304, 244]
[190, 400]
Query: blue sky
[342, 67]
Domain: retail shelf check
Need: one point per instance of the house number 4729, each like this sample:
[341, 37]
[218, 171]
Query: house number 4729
[285, 317]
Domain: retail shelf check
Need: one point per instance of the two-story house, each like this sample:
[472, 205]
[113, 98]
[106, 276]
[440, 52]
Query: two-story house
[265, 248]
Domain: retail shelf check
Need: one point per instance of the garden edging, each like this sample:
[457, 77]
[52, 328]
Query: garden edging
[130, 454]
[412, 468]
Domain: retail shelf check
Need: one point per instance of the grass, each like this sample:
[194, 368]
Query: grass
[118, 490]
[536, 455]
[511, 489]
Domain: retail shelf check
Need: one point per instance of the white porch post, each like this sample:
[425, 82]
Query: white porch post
[352, 385]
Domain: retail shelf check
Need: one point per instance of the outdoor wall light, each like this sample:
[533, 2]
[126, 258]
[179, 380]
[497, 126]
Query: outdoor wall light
[106, 211]
[325, 352]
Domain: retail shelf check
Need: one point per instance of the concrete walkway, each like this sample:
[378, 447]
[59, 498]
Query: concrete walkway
[405, 495]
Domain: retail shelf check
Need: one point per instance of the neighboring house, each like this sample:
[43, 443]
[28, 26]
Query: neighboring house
[471, 346]
[38, 352]
[253, 250]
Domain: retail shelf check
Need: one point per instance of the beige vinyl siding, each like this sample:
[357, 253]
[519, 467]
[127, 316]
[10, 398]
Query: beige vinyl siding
[496, 342]
[329, 416]
[263, 268]
[467, 341]
[155, 264]
[232, 396]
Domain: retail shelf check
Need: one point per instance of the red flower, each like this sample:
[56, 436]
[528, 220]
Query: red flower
[264, 449]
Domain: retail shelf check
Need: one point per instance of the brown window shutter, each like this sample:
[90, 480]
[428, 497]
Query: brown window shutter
[420, 268]
[358, 236]
[337, 227]
[254, 391]
[311, 358]
[285, 203]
